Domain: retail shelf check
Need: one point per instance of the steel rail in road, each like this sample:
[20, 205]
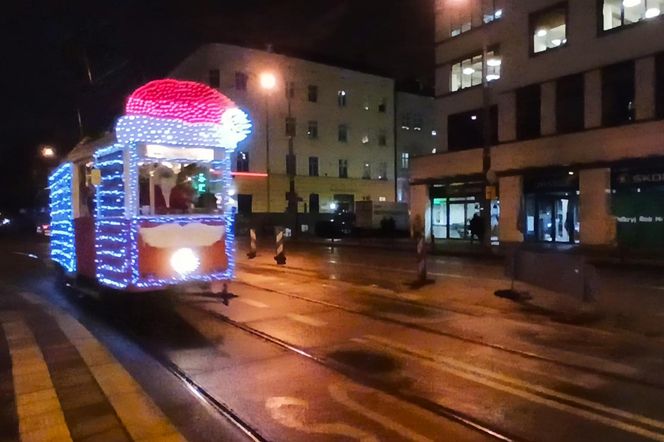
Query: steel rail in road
[354, 375]
[194, 387]
[479, 342]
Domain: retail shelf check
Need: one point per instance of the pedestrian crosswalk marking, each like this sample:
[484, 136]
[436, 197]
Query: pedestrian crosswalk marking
[39, 411]
[252, 302]
[306, 320]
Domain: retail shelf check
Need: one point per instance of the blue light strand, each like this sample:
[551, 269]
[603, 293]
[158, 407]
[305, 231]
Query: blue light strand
[63, 250]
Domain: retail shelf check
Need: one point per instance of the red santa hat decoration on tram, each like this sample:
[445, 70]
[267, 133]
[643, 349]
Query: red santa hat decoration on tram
[182, 113]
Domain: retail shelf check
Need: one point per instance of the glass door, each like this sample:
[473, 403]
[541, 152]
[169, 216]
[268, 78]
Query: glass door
[545, 219]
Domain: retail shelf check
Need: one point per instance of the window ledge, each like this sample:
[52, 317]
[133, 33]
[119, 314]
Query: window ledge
[548, 51]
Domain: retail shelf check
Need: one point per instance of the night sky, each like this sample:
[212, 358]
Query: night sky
[127, 42]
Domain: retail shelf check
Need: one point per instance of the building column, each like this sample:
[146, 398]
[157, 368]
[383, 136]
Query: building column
[593, 99]
[420, 205]
[597, 225]
[644, 83]
[511, 213]
[548, 108]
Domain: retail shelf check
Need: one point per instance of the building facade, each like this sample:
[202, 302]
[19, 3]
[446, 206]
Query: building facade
[571, 95]
[415, 135]
[339, 122]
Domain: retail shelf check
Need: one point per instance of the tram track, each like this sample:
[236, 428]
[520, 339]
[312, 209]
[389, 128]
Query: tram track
[356, 375]
[466, 339]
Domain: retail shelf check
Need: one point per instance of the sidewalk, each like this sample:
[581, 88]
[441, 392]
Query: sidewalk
[59, 383]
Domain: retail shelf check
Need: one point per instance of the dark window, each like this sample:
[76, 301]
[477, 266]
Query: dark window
[382, 107]
[366, 171]
[214, 78]
[382, 170]
[570, 103]
[291, 165]
[343, 133]
[313, 93]
[314, 203]
[242, 162]
[659, 85]
[528, 112]
[343, 168]
[465, 129]
[313, 166]
[290, 126]
[548, 28]
[244, 203]
[618, 94]
[312, 129]
[240, 81]
[382, 137]
[341, 98]
[290, 89]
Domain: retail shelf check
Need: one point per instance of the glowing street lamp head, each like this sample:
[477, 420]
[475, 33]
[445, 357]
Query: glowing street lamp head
[268, 81]
[47, 152]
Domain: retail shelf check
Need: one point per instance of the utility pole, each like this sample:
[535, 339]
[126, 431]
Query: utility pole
[486, 148]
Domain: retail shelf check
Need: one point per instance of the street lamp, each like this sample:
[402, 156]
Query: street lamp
[47, 152]
[268, 82]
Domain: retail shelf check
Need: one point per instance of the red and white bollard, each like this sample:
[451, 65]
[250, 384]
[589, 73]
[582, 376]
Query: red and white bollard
[252, 244]
[280, 256]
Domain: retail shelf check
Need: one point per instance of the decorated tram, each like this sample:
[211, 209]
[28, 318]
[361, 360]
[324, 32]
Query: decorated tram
[149, 206]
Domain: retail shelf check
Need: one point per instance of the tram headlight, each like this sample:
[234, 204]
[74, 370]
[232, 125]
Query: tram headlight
[185, 261]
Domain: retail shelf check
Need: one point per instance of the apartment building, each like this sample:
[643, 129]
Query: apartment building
[571, 95]
[339, 123]
[415, 135]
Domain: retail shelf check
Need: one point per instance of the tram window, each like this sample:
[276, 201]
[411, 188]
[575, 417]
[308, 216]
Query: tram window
[166, 188]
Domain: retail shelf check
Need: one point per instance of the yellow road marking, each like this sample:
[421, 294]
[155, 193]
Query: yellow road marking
[483, 377]
[39, 412]
[137, 412]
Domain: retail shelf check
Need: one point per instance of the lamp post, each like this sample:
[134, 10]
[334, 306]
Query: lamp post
[268, 82]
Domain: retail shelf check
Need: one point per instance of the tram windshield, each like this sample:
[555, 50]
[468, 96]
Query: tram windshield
[167, 188]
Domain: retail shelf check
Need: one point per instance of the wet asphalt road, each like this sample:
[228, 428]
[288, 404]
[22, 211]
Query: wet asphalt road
[322, 351]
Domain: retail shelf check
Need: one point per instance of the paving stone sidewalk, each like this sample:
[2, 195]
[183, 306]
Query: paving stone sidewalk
[59, 383]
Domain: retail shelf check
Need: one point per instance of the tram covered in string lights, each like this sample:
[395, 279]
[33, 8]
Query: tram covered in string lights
[148, 206]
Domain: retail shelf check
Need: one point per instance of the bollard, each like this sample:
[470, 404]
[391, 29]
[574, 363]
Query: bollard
[252, 244]
[279, 239]
[421, 259]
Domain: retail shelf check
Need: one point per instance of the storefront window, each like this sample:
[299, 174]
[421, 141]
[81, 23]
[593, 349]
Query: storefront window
[440, 217]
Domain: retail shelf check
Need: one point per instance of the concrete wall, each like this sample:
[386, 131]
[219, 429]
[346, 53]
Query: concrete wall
[511, 195]
[466, 162]
[598, 227]
[606, 144]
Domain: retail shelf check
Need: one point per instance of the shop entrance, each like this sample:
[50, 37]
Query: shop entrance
[452, 208]
[552, 209]
[552, 218]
